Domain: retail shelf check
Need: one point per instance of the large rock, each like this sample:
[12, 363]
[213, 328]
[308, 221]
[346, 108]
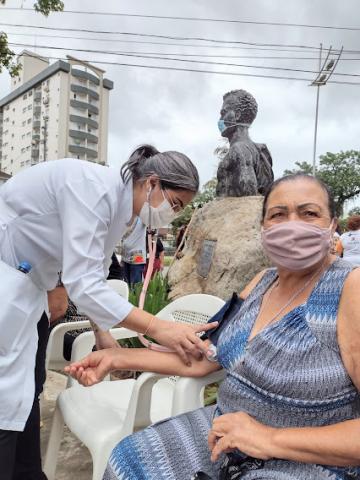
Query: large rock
[235, 224]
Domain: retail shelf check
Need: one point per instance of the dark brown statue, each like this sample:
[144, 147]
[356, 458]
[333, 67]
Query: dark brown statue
[247, 167]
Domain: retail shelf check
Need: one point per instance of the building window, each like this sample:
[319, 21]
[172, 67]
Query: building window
[22, 164]
[23, 136]
[12, 161]
[89, 115]
[29, 107]
[24, 109]
[74, 95]
[23, 150]
[7, 107]
[24, 123]
[12, 135]
[24, 96]
[28, 134]
[13, 122]
[30, 93]
[29, 120]
[13, 109]
[12, 148]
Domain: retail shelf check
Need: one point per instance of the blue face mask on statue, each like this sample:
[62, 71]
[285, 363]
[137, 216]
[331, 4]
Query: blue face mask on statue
[222, 126]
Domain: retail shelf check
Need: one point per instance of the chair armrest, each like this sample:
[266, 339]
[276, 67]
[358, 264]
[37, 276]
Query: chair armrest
[138, 413]
[84, 343]
[189, 392]
[54, 351]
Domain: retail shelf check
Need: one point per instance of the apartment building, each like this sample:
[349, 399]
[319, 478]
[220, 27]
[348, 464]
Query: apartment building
[54, 111]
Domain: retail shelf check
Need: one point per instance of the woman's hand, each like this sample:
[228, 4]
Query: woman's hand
[181, 338]
[94, 368]
[240, 431]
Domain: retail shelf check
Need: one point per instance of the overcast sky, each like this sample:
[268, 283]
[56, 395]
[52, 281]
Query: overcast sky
[179, 110]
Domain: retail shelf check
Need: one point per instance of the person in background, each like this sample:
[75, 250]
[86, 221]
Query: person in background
[348, 244]
[133, 252]
[179, 244]
[159, 255]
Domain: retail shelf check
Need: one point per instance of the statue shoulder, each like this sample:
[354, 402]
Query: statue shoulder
[243, 148]
[264, 152]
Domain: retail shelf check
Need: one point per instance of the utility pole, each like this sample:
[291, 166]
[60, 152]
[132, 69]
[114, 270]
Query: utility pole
[45, 131]
[326, 69]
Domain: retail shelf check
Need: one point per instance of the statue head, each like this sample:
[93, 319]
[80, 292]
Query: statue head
[239, 107]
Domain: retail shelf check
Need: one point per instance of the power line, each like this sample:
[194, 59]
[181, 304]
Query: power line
[168, 37]
[197, 19]
[155, 57]
[112, 40]
[173, 53]
[215, 72]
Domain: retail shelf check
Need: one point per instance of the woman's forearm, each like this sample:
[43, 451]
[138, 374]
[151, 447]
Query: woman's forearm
[144, 360]
[337, 444]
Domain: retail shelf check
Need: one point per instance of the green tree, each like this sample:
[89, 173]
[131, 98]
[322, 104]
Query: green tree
[7, 56]
[354, 211]
[207, 194]
[340, 171]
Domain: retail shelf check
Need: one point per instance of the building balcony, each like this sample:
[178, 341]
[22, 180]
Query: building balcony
[84, 91]
[85, 75]
[35, 153]
[78, 150]
[84, 121]
[83, 136]
[37, 110]
[36, 123]
[37, 96]
[84, 106]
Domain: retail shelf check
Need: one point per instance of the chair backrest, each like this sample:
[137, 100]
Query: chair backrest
[194, 309]
[120, 287]
[54, 352]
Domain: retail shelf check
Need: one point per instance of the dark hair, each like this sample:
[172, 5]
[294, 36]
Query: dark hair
[353, 223]
[292, 178]
[174, 169]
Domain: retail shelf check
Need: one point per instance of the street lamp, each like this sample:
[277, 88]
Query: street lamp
[326, 69]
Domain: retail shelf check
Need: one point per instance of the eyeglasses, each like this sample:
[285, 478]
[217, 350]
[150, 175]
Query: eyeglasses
[176, 206]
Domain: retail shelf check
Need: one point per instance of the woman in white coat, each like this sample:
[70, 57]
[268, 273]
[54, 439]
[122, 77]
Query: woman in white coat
[67, 216]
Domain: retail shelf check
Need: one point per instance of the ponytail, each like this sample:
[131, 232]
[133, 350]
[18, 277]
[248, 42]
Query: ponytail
[133, 167]
[174, 169]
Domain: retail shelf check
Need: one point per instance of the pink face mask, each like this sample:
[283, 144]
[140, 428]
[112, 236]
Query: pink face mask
[296, 245]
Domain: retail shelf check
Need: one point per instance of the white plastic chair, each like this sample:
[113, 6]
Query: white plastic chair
[54, 353]
[100, 416]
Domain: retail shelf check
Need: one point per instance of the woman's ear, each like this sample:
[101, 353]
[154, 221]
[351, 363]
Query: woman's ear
[153, 181]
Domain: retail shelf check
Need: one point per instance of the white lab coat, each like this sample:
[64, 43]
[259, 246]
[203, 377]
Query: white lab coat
[64, 215]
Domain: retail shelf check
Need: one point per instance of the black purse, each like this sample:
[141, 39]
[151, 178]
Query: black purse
[223, 317]
[233, 467]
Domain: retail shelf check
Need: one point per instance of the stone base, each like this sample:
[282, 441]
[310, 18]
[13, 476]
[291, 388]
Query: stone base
[235, 224]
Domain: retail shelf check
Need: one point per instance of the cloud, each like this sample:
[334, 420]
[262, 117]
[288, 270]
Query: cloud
[179, 110]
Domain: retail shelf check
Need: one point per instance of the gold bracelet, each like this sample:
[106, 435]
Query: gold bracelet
[149, 326]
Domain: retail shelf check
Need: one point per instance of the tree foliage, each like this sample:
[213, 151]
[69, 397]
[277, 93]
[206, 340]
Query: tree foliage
[207, 194]
[340, 171]
[7, 56]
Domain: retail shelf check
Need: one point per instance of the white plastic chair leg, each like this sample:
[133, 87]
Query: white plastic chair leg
[99, 459]
[52, 452]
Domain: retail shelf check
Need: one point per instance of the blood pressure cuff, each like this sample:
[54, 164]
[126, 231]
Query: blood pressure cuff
[224, 316]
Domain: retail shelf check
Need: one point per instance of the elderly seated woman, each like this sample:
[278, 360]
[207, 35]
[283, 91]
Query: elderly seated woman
[290, 402]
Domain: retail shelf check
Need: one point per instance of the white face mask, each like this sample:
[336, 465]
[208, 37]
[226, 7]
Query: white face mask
[156, 217]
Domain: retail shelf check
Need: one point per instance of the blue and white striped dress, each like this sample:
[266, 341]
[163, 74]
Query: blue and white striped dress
[289, 375]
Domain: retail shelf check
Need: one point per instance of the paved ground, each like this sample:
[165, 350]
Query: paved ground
[74, 461]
